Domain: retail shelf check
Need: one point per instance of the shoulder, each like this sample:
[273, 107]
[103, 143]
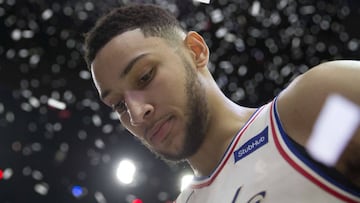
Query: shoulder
[300, 103]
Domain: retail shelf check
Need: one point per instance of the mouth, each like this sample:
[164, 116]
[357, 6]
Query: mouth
[160, 131]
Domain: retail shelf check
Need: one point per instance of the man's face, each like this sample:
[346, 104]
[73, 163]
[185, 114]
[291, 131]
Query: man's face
[156, 92]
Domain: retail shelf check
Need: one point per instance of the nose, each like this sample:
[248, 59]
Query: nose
[137, 107]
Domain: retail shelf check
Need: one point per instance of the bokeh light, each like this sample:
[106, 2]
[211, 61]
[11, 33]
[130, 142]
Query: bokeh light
[77, 191]
[185, 181]
[137, 201]
[126, 171]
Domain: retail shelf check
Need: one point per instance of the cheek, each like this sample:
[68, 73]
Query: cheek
[169, 86]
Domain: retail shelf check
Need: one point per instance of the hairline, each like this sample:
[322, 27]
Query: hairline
[172, 35]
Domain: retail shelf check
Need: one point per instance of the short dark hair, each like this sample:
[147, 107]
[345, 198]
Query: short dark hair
[151, 19]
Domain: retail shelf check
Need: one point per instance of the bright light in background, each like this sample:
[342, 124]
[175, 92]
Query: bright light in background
[137, 201]
[126, 171]
[185, 181]
[334, 128]
[77, 191]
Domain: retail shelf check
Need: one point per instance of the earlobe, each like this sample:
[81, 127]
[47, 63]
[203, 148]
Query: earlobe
[198, 49]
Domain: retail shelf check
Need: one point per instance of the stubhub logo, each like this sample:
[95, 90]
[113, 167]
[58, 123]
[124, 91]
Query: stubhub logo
[252, 145]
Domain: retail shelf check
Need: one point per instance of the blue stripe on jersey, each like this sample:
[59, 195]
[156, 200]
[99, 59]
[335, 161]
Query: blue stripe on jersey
[306, 158]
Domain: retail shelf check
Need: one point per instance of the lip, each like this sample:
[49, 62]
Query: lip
[159, 131]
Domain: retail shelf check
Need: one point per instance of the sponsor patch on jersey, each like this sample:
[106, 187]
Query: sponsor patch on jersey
[252, 145]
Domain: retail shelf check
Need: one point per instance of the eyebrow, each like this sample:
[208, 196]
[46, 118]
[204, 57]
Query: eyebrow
[126, 71]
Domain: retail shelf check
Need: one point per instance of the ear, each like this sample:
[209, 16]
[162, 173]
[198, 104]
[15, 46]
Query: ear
[198, 49]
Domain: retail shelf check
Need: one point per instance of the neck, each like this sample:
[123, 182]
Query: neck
[219, 134]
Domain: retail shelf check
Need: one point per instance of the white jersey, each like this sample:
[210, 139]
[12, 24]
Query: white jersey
[262, 164]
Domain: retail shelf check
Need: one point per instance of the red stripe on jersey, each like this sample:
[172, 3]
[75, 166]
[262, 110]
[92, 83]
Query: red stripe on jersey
[218, 170]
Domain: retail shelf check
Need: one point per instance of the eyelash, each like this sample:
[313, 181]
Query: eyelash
[147, 77]
[121, 106]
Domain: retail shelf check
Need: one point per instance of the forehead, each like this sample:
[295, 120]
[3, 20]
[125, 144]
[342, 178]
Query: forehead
[126, 45]
[120, 51]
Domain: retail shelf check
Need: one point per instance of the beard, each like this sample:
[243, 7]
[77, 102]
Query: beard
[197, 114]
[197, 122]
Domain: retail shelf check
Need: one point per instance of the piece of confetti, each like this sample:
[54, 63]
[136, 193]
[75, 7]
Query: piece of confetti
[203, 1]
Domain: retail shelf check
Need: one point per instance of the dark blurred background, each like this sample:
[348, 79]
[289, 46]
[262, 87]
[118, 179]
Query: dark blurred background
[70, 155]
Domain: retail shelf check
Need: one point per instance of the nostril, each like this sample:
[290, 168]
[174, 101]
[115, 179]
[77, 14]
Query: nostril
[147, 112]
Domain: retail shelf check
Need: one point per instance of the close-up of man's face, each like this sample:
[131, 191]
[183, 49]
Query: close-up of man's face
[179, 101]
[155, 90]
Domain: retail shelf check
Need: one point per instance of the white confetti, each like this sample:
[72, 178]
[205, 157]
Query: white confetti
[56, 104]
[255, 8]
[41, 188]
[37, 175]
[47, 14]
[99, 143]
[100, 197]
[203, 1]
[7, 173]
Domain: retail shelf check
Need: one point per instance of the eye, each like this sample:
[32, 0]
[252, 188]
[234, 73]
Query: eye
[119, 107]
[147, 77]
